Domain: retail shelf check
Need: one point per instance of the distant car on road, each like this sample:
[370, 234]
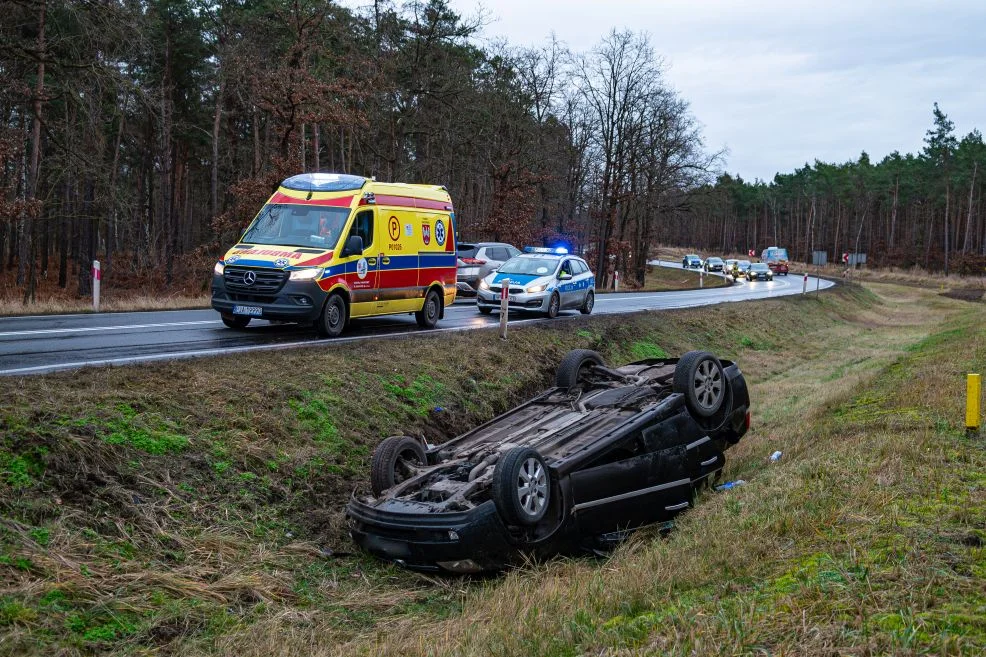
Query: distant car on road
[759, 271]
[541, 280]
[476, 260]
[607, 450]
[691, 261]
[730, 266]
[714, 264]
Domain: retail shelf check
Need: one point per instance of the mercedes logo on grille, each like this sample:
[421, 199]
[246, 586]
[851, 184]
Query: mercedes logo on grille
[249, 278]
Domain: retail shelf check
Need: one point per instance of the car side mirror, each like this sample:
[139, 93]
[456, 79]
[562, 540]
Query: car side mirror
[564, 276]
[354, 245]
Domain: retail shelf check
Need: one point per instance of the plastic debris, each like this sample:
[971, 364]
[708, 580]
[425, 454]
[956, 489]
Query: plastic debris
[730, 484]
[776, 456]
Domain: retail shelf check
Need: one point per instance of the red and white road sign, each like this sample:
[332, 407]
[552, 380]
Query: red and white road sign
[751, 253]
[845, 258]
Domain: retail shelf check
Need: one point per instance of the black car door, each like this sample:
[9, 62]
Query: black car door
[631, 485]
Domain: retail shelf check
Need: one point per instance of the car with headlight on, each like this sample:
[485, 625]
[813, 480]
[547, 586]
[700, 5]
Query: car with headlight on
[729, 266]
[475, 262]
[714, 263]
[541, 280]
[691, 261]
[759, 271]
[577, 468]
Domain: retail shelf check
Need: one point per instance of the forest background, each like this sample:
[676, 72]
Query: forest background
[146, 134]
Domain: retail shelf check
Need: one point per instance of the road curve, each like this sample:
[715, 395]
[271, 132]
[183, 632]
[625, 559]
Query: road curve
[47, 343]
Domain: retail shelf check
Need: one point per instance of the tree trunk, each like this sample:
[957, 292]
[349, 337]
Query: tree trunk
[968, 217]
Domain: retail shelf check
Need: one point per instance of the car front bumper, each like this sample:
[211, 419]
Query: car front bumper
[537, 302]
[295, 301]
[460, 542]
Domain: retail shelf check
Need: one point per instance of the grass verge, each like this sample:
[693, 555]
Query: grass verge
[194, 507]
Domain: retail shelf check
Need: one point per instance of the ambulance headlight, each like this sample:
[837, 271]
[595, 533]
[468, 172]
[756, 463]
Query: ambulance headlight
[219, 269]
[535, 289]
[306, 274]
[483, 285]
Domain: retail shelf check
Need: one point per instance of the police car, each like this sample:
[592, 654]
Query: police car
[541, 280]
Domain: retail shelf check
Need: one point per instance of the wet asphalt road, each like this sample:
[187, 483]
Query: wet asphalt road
[40, 344]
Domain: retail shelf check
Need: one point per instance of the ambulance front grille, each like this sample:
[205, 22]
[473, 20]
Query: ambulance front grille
[266, 281]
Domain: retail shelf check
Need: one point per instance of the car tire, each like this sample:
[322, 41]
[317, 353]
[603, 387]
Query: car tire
[521, 486]
[483, 310]
[590, 301]
[235, 321]
[428, 316]
[573, 365]
[700, 378]
[554, 305]
[388, 464]
[334, 317]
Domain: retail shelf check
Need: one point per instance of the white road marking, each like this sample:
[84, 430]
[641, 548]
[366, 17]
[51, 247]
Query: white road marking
[91, 329]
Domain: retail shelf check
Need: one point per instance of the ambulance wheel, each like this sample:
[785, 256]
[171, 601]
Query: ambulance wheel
[235, 321]
[334, 317]
[590, 301]
[428, 315]
[484, 310]
[553, 306]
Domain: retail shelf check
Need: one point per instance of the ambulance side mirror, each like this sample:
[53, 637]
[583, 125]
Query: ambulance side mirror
[354, 246]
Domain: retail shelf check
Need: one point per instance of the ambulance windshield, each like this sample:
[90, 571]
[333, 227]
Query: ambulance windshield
[298, 225]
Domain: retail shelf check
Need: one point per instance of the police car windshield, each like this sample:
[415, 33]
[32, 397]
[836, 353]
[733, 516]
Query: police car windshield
[529, 265]
[297, 225]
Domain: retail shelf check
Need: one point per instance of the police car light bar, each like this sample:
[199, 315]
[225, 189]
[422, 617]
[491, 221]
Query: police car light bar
[544, 249]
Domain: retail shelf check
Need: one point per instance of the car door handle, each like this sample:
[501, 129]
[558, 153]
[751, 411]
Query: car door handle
[386, 260]
[677, 507]
[709, 461]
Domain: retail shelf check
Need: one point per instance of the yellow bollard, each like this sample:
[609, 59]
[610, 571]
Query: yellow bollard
[973, 388]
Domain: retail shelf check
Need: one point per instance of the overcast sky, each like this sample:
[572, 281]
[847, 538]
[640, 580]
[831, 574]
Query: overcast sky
[783, 82]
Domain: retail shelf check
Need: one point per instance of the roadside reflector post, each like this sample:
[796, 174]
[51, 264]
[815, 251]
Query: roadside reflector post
[504, 296]
[616, 281]
[701, 278]
[804, 288]
[97, 275]
[973, 390]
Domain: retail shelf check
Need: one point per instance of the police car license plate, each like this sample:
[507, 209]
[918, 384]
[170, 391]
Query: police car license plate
[255, 311]
[512, 298]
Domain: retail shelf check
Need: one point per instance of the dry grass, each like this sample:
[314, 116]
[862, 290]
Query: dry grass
[667, 279]
[114, 302]
[141, 516]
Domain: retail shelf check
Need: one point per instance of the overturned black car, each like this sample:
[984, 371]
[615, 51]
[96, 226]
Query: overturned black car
[605, 451]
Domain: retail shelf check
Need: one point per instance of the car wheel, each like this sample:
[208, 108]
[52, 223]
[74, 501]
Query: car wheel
[393, 461]
[590, 301]
[428, 315]
[334, 317]
[484, 310]
[553, 306]
[521, 486]
[700, 378]
[574, 365]
[235, 321]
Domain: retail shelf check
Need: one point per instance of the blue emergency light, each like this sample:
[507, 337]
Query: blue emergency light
[544, 249]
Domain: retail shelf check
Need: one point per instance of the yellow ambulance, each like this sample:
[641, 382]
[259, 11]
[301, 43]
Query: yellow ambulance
[329, 247]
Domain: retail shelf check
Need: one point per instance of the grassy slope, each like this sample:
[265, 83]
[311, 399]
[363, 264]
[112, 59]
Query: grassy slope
[194, 506]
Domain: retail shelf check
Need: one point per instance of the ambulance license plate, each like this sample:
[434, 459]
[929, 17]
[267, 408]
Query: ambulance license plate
[254, 311]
